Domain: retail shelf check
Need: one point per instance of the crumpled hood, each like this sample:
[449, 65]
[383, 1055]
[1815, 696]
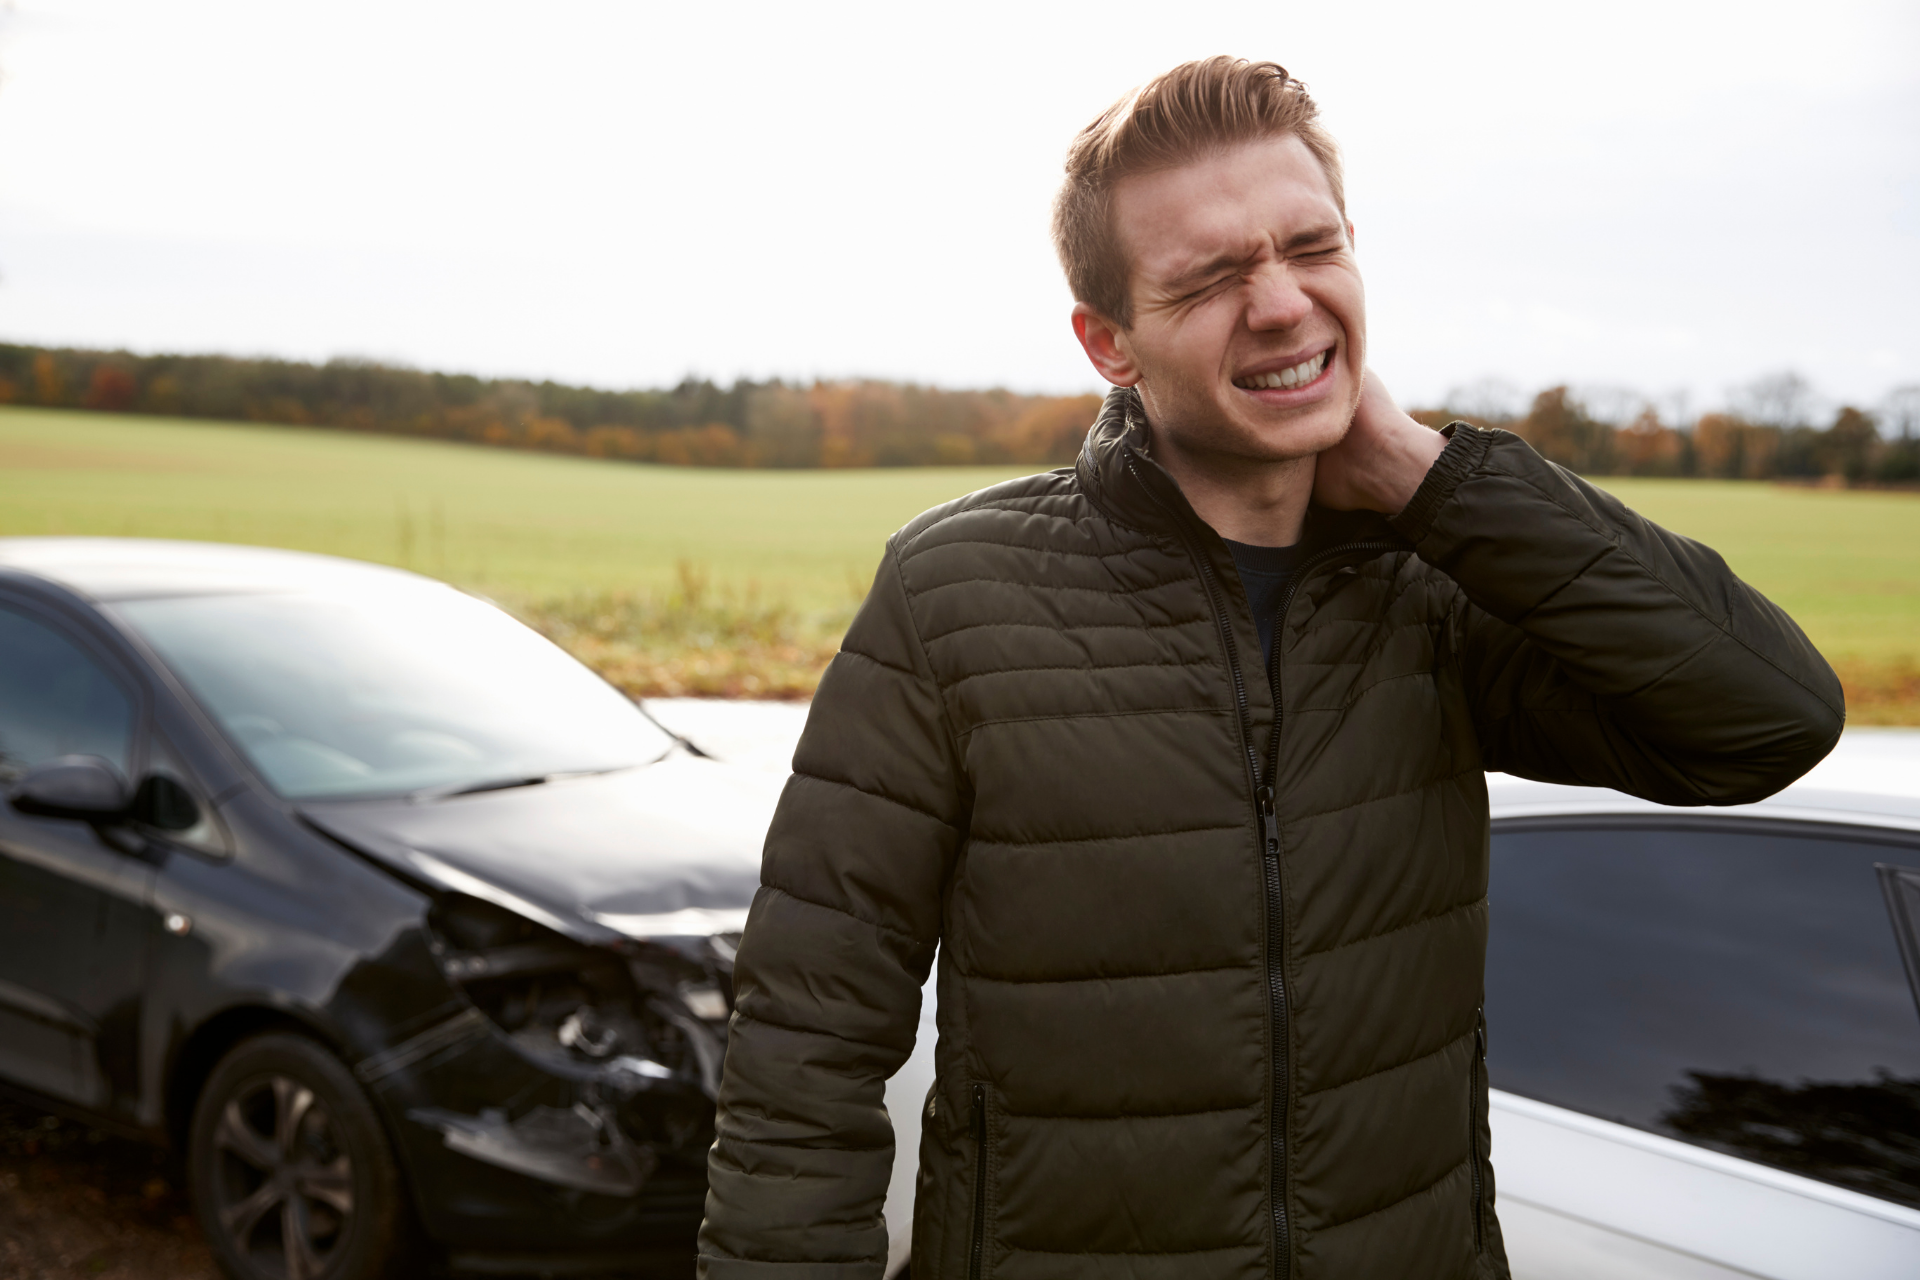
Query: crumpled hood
[671, 848]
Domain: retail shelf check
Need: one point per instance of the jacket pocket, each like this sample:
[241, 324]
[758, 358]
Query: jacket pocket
[977, 1243]
[1476, 1104]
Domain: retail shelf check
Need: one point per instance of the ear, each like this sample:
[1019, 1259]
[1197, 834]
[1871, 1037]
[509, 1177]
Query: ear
[1106, 346]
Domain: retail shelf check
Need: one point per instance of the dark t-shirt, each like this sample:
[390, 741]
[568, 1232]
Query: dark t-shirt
[1264, 572]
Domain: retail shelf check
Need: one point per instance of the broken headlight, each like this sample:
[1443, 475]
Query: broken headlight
[639, 1026]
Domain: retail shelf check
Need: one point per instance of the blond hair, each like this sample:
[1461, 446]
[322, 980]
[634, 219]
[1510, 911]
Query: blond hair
[1196, 109]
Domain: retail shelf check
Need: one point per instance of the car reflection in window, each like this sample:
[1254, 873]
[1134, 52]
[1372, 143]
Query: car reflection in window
[1739, 989]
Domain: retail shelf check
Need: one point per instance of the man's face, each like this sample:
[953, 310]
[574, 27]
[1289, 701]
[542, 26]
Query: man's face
[1249, 332]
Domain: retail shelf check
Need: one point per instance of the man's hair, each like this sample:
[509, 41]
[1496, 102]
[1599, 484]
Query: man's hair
[1196, 109]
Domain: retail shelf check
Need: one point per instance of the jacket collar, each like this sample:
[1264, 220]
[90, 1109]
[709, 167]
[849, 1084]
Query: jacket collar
[1117, 472]
[1113, 468]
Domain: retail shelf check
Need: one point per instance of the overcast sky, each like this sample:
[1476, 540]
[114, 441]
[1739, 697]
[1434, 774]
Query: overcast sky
[1667, 196]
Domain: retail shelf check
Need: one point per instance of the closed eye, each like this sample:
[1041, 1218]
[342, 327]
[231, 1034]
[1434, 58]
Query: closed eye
[1206, 288]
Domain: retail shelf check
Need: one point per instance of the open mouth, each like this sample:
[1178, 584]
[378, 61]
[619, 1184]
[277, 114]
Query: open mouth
[1298, 375]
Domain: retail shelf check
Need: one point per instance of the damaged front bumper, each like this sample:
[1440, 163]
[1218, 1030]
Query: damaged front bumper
[580, 1147]
[568, 1094]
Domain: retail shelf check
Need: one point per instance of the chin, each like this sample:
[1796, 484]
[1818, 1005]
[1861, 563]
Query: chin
[1300, 437]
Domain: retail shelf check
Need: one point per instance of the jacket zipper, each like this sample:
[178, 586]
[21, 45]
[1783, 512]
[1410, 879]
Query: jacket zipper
[1269, 839]
[1473, 1133]
[978, 1256]
[1276, 901]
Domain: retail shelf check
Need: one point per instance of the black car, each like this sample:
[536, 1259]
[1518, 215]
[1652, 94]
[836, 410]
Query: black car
[414, 935]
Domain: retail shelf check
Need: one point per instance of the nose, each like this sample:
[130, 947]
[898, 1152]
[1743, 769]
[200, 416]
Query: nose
[1275, 299]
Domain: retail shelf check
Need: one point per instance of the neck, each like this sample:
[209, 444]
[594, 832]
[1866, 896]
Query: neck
[1242, 499]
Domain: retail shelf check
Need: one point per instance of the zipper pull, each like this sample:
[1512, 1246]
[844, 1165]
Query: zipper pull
[1269, 824]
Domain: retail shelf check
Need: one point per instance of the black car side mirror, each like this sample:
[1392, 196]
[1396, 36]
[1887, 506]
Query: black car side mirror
[165, 804]
[84, 787]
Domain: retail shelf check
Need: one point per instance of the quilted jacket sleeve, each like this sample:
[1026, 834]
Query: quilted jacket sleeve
[827, 983]
[1598, 648]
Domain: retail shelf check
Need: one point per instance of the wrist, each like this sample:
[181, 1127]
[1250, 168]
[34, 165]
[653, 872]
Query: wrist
[1411, 455]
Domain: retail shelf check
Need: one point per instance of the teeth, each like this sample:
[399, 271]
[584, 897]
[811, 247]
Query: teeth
[1304, 372]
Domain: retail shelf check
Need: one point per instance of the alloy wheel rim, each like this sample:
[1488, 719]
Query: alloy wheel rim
[283, 1182]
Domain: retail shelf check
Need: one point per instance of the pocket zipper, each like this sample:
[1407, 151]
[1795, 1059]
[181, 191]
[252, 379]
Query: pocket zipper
[978, 1255]
[1473, 1134]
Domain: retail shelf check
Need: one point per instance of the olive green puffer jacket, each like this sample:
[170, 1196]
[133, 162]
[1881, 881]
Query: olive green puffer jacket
[1210, 945]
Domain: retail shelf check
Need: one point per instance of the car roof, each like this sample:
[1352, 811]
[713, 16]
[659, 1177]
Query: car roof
[129, 568]
[1871, 778]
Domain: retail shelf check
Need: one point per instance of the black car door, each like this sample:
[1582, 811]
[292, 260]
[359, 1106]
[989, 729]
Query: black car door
[73, 897]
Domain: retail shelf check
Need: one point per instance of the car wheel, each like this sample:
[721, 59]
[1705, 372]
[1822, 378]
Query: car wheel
[291, 1172]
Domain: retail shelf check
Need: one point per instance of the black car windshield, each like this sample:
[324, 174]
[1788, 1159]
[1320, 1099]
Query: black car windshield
[407, 689]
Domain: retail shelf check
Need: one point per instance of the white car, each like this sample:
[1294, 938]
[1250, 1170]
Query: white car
[1703, 1024]
[1704, 1027]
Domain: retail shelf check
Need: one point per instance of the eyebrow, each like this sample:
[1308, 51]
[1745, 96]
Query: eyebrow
[1295, 242]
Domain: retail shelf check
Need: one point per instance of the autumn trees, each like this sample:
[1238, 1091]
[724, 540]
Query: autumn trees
[697, 423]
[1767, 434]
[1767, 431]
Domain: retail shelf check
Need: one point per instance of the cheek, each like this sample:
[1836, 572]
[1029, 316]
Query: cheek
[1348, 303]
[1187, 354]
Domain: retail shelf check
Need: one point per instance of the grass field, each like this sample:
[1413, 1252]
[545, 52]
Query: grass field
[684, 580]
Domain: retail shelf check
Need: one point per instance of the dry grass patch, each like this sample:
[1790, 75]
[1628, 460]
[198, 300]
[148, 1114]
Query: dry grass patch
[692, 640]
[1881, 692]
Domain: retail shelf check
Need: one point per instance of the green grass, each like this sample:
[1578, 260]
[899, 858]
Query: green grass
[595, 551]
[519, 523]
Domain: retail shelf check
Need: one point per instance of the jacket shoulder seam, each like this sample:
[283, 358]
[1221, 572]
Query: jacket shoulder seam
[961, 507]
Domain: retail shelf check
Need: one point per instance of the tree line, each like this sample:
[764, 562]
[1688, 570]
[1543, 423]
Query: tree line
[1768, 432]
[697, 423]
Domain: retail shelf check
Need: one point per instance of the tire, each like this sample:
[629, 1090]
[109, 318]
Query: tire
[291, 1172]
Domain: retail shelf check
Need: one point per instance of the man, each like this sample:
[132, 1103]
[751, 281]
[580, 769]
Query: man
[1178, 755]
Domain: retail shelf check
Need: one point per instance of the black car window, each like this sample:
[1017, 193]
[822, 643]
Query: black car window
[403, 690]
[1738, 989]
[55, 700]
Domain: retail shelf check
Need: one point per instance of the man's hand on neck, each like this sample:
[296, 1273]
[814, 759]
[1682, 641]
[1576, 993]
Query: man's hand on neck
[1375, 467]
[1382, 459]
